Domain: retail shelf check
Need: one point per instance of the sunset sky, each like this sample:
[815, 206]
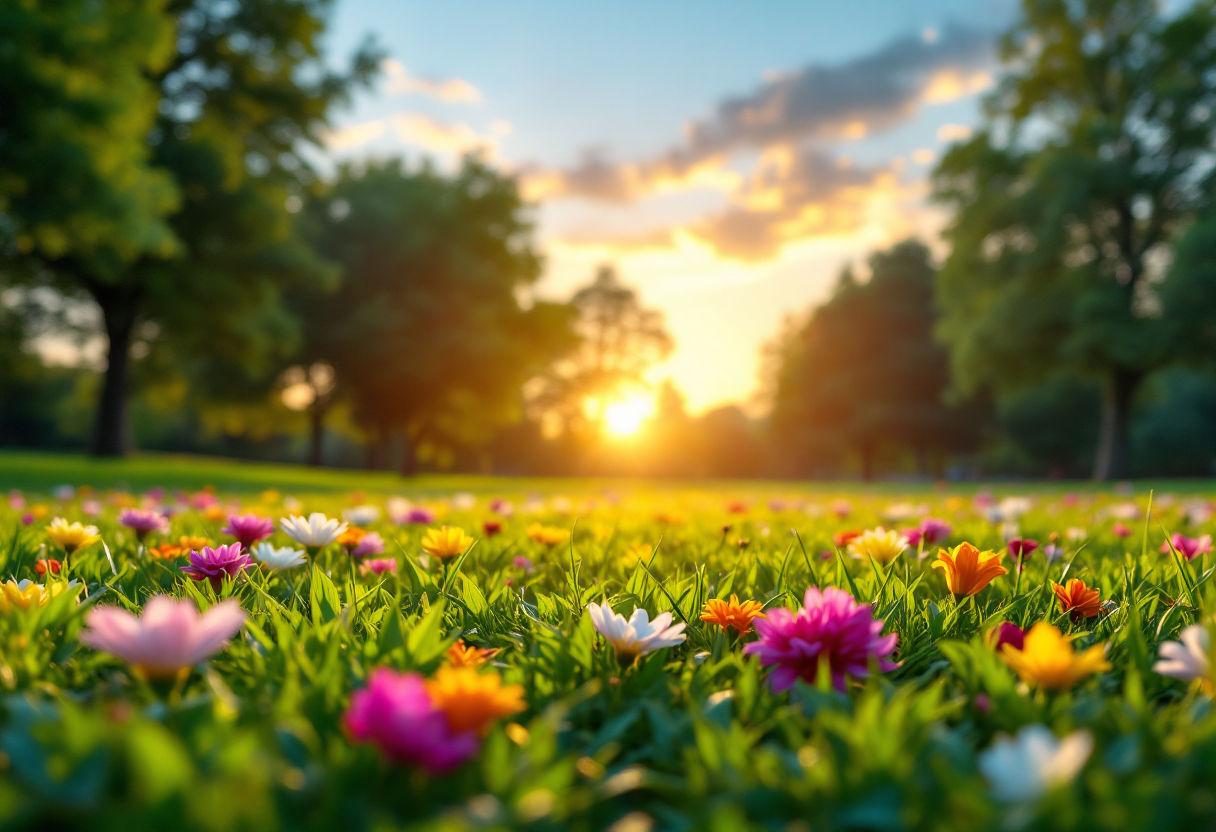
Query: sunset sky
[729, 158]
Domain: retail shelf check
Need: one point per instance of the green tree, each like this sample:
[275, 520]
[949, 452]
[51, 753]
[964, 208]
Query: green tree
[863, 373]
[240, 94]
[426, 333]
[1093, 160]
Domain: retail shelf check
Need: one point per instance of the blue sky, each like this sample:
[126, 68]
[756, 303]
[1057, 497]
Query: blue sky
[728, 157]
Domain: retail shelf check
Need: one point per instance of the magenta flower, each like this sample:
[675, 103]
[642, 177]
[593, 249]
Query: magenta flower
[929, 531]
[169, 637]
[395, 713]
[1007, 633]
[216, 564]
[1189, 547]
[831, 624]
[143, 521]
[378, 565]
[371, 544]
[1021, 547]
[418, 515]
[1120, 530]
[248, 529]
[522, 562]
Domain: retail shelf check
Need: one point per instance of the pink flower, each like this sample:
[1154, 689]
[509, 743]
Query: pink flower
[92, 508]
[203, 500]
[169, 637]
[930, 531]
[143, 521]
[831, 624]
[1120, 530]
[248, 529]
[216, 564]
[376, 566]
[1021, 547]
[418, 515]
[522, 562]
[371, 544]
[1189, 547]
[395, 713]
[1007, 633]
[28, 518]
[15, 500]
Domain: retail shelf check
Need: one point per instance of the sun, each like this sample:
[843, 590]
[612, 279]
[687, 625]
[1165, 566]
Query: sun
[626, 417]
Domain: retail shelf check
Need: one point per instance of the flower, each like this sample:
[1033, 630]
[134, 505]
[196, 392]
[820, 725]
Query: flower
[1188, 547]
[25, 594]
[248, 529]
[446, 542]
[317, 532]
[351, 538]
[166, 551]
[168, 638]
[547, 535]
[376, 566]
[143, 521]
[831, 627]
[1077, 600]
[1021, 547]
[361, 515]
[192, 543]
[216, 564]
[491, 527]
[1006, 633]
[1120, 530]
[522, 562]
[639, 635]
[1048, 659]
[733, 613]
[1023, 768]
[929, 531]
[842, 539]
[395, 713]
[968, 570]
[371, 544]
[473, 700]
[71, 537]
[276, 558]
[882, 545]
[47, 565]
[416, 515]
[1188, 658]
[466, 655]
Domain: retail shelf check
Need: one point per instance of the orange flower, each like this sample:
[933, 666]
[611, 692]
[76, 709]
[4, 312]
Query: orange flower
[1078, 600]
[842, 539]
[466, 655]
[968, 570]
[732, 613]
[472, 700]
[42, 566]
[351, 538]
[446, 542]
[166, 551]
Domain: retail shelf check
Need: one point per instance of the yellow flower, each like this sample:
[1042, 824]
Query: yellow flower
[1048, 659]
[472, 700]
[637, 551]
[968, 570]
[192, 543]
[446, 541]
[71, 537]
[39, 511]
[732, 613]
[213, 514]
[547, 535]
[26, 594]
[882, 545]
[466, 655]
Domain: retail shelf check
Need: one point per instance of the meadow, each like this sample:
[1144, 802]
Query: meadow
[446, 653]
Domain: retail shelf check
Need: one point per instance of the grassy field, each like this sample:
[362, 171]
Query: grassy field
[448, 665]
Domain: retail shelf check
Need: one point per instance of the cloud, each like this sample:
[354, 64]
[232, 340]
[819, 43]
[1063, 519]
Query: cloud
[953, 133]
[400, 82]
[353, 136]
[418, 130]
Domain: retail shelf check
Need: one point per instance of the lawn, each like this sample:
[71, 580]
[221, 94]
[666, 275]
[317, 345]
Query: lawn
[455, 660]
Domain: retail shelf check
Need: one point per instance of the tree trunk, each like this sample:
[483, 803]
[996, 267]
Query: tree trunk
[1111, 460]
[119, 311]
[317, 419]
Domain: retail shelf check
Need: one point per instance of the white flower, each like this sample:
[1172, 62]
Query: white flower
[464, 501]
[1075, 534]
[637, 636]
[398, 508]
[1023, 768]
[278, 558]
[291, 504]
[317, 532]
[1011, 508]
[362, 515]
[1186, 659]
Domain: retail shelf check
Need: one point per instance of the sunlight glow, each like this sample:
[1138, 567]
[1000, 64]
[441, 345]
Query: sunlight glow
[625, 418]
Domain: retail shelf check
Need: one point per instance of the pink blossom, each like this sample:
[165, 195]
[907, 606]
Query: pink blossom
[930, 531]
[371, 544]
[1189, 547]
[831, 624]
[91, 508]
[1007, 633]
[418, 515]
[376, 566]
[1120, 530]
[15, 500]
[216, 564]
[203, 500]
[395, 713]
[27, 519]
[143, 521]
[169, 637]
[248, 529]
[522, 562]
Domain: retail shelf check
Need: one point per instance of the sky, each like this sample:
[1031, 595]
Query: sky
[728, 158]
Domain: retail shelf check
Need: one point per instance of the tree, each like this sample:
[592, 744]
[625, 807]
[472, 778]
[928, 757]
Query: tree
[426, 332]
[242, 90]
[619, 340]
[1093, 161]
[864, 373]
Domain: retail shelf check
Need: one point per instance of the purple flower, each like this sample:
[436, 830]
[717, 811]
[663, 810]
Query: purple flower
[395, 713]
[248, 529]
[215, 564]
[832, 626]
[418, 515]
[143, 521]
[371, 544]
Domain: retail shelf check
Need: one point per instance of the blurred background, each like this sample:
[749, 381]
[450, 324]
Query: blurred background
[943, 239]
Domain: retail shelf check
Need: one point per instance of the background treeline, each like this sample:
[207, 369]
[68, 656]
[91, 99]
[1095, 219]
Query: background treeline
[162, 207]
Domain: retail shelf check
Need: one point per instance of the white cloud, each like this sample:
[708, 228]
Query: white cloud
[401, 82]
